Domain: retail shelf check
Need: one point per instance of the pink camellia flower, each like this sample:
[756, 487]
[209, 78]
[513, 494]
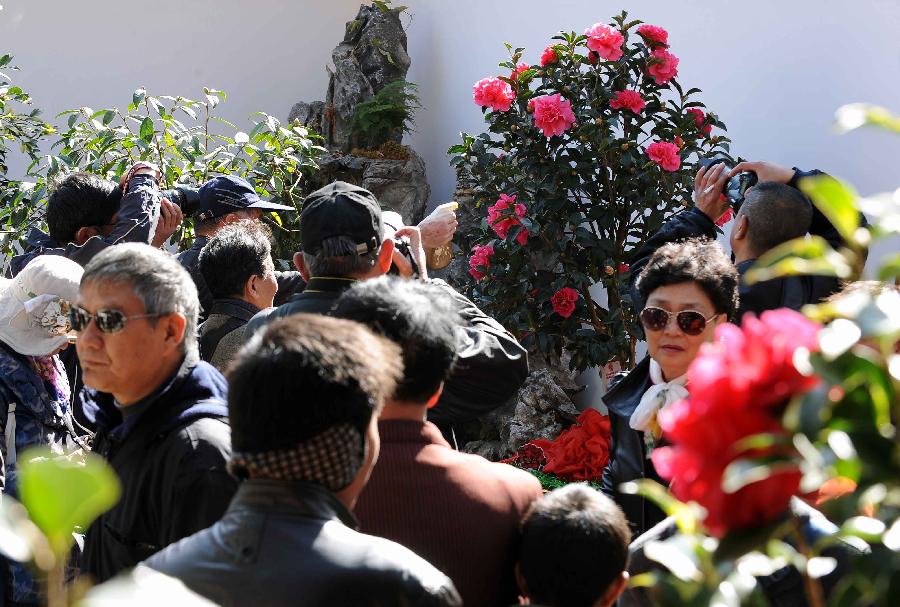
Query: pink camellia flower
[628, 100]
[553, 114]
[605, 41]
[549, 56]
[481, 258]
[740, 384]
[518, 70]
[493, 93]
[501, 221]
[563, 301]
[654, 35]
[700, 120]
[665, 154]
[662, 66]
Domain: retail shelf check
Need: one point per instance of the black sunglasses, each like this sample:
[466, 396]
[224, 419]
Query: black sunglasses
[108, 321]
[690, 322]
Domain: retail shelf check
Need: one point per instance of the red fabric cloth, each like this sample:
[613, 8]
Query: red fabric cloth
[457, 510]
[581, 452]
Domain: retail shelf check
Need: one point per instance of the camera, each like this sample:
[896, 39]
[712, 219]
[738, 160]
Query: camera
[186, 197]
[736, 187]
[402, 245]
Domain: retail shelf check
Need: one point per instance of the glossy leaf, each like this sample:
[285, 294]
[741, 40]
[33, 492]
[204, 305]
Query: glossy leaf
[836, 200]
[811, 255]
[63, 494]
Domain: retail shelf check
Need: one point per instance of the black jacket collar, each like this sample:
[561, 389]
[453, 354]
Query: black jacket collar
[293, 498]
[234, 307]
[623, 397]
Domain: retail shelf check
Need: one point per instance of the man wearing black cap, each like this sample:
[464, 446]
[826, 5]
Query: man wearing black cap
[343, 240]
[224, 200]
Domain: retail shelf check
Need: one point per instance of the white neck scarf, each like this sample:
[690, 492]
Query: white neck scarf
[659, 396]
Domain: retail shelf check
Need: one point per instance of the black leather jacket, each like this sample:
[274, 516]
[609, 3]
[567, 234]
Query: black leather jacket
[284, 543]
[627, 453]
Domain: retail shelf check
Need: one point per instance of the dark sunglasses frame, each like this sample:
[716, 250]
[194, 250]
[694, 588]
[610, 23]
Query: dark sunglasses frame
[108, 321]
[686, 320]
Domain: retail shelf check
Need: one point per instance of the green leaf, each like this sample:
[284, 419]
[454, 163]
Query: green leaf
[811, 255]
[20, 538]
[63, 494]
[742, 472]
[836, 200]
[890, 268]
[146, 131]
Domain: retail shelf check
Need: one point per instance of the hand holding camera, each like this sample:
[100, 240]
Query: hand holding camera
[409, 255]
[717, 187]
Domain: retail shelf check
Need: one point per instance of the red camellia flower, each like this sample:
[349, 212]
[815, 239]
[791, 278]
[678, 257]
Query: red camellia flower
[629, 100]
[501, 220]
[738, 386]
[563, 301]
[521, 67]
[493, 93]
[665, 155]
[605, 41]
[662, 66]
[623, 267]
[700, 120]
[553, 114]
[593, 57]
[581, 452]
[549, 56]
[481, 258]
[653, 35]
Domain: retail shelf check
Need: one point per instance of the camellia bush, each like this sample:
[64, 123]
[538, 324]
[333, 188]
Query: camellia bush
[184, 137]
[587, 152]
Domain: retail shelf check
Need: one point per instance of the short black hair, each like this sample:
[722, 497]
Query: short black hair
[81, 200]
[574, 545]
[237, 252]
[695, 260]
[419, 317]
[304, 374]
[776, 213]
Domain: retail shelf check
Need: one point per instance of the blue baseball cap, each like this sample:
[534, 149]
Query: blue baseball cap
[228, 193]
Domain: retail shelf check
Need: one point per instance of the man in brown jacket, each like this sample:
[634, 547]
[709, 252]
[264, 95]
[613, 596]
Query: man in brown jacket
[457, 510]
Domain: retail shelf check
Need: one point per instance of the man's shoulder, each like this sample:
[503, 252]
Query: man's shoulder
[483, 477]
[383, 563]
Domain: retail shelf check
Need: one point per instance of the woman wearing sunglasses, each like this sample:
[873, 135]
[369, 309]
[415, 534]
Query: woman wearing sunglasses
[689, 288]
[34, 391]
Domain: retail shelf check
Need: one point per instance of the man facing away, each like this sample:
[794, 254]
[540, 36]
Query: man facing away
[344, 241]
[237, 267]
[574, 549]
[304, 397]
[160, 414]
[774, 211]
[457, 510]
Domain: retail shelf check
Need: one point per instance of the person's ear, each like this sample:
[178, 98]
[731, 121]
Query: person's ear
[174, 326]
[435, 397]
[616, 588]
[741, 228]
[83, 234]
[300, 264]
[229, 218]
[385, 257]
[250, 290]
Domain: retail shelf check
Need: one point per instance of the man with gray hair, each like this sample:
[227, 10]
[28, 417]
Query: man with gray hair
[160, 413]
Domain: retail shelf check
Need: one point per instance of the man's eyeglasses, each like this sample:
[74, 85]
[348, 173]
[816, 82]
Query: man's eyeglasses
[690, 322]
[108, 321]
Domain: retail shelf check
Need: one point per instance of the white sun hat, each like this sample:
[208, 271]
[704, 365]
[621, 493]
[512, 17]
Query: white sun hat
[34, 305]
